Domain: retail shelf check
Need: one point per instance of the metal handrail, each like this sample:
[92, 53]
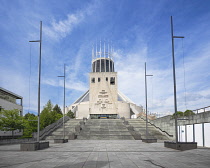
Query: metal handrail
[50, 128]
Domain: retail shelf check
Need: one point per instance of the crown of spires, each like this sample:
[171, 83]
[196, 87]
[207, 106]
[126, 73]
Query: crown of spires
[104, 52]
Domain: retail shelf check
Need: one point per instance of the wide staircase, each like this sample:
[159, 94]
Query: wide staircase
[104, 129]
[69, 128]
[139, 126]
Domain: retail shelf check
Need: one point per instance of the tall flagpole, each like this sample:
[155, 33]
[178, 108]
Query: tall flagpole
[39, 79]
[146, 99]
[64, 98]
[174, 79]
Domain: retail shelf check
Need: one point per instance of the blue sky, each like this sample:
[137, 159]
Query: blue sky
[140, 32]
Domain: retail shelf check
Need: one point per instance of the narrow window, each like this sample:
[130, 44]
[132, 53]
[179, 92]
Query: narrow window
[106, 78]
[93, 80]
[99, 79]
[112, 80]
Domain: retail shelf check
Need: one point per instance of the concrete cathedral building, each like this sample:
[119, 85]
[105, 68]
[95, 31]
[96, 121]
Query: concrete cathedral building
[103, 99]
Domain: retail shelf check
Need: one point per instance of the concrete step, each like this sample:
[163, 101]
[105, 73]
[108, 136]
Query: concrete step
[108, 129]
[105, 137]
[69, 128]
[140, 126]
[52, 137]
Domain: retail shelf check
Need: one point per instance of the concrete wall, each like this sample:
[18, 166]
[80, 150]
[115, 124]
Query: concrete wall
[124, 109]
[165, 124]
[168, 124]
[82, 110]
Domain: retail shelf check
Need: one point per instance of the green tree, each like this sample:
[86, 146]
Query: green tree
[30, 125]
[10, 120]
[49, 114]
[28, 115]
[179, 114]
[57, 113]
[57, 109]
[45, 117]
[189, 113]
[70, 114]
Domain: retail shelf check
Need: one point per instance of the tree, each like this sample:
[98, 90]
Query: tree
[57, 109]
[30, 125]
[28, 115]
[179, 114]
[57, 113]
[49, 114]
[189, 113]
[10, 120]
[182, 114]
[70, 114]
[45, 117]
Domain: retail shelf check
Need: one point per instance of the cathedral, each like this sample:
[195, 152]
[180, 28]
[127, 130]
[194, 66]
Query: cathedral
[103, 99]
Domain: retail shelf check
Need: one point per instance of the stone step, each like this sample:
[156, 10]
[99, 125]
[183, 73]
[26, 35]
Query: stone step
[52, 137]
[108, 129]
[105, 137]
[69, 128]
[140, 126]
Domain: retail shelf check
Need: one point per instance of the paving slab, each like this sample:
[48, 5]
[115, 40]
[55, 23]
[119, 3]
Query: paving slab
[104, 154]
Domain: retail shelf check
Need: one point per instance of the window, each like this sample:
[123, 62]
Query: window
[106, 78]
[99, 79]
[112, 80]
[93, 80]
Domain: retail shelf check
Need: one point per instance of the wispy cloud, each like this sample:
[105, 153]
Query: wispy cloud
[62, 28]
[59, 29]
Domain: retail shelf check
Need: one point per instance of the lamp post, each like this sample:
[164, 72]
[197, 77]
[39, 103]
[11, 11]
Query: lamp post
[146, 98]
[64, 76]
[39, 78]
[174, 79]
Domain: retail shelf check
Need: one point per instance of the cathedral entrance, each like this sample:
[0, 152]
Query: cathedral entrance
[103, 116]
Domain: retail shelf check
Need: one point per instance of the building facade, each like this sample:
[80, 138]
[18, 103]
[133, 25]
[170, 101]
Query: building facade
[103, 100]
[10, 101]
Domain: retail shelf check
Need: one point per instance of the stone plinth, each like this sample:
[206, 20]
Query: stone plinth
[137, 136]
[60, 140]
[72, 136]
[77, 128]
[149, 140]
[180, 145]
[33, 146]
[130, 128]
[82, 123]
[122, 118]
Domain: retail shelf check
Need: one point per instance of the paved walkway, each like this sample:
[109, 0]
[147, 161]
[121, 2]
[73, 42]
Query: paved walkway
[104, 154]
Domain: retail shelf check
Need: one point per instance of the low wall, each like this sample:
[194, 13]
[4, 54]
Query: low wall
[167, 123]
[15, 141]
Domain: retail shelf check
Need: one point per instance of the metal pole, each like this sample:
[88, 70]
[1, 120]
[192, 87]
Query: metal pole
[64, 97]
[174, 79]
[39, 79]
[64, 101]
[146, 97]
[40, 56]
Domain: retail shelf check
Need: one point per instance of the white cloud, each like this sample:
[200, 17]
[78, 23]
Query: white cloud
[61, 28]
[73, 84]
[160, 86]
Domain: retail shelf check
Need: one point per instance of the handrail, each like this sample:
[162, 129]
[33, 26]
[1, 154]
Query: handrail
[50, 128]
[157, 127]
